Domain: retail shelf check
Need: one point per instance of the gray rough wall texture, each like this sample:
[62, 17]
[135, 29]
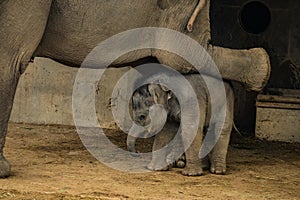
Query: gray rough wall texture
[281, 39]
[44, 94]
[272, 126]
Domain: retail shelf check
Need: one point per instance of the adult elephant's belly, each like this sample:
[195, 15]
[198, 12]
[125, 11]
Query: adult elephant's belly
[76, 27]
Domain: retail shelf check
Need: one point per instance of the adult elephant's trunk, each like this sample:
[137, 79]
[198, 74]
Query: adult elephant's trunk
[249, 67]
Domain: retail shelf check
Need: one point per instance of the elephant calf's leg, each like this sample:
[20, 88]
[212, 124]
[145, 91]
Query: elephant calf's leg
[175, 155]
[193, 162]
[219, 152]
[159, 153]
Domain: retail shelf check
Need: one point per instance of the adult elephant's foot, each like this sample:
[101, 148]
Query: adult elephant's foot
[194, 170]
[4, 167]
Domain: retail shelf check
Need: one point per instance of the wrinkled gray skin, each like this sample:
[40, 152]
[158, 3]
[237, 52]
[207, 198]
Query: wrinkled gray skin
[148, 123]
[145, 97]
[67, 30]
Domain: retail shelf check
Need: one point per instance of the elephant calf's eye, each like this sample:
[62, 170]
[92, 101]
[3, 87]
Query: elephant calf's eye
[148, 103]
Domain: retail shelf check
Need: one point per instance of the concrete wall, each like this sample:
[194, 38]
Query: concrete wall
[278, 115]
[44, 94]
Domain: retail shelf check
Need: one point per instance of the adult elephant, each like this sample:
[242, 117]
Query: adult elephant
[67, 30]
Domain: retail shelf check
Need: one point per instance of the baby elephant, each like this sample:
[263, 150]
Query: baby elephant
[154, 103]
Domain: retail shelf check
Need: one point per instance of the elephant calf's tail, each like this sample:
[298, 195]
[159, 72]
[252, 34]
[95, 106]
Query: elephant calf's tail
[236, 129]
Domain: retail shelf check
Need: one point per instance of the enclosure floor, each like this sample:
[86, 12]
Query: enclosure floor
[50, 162]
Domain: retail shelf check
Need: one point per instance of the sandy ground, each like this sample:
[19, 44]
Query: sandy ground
[50, 162]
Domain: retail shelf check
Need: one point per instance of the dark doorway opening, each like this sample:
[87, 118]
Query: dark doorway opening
[255, 17]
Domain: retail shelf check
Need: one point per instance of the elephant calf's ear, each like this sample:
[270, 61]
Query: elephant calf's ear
[159, 93]
[167, 91]
[153, 90]
[164, 88]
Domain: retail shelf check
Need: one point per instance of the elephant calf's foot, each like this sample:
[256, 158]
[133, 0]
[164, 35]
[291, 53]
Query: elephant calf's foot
[218, 169]
[4, 167]
[205, 163]
[179, 163]
[158, 166]
[193, 171]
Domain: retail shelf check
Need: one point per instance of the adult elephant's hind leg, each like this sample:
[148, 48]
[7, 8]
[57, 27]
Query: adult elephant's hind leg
[22, 24]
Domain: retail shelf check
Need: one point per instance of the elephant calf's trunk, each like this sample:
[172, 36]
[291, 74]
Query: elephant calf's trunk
[131, 143]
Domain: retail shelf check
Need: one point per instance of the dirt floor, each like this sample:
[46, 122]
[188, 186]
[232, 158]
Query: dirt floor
[50, 162]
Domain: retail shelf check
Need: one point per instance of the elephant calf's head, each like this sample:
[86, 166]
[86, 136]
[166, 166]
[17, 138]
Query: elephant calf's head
[145, 97]
[150, 110]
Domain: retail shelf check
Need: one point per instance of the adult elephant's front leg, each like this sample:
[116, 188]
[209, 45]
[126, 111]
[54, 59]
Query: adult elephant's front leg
[8, 85]
[21, 28]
